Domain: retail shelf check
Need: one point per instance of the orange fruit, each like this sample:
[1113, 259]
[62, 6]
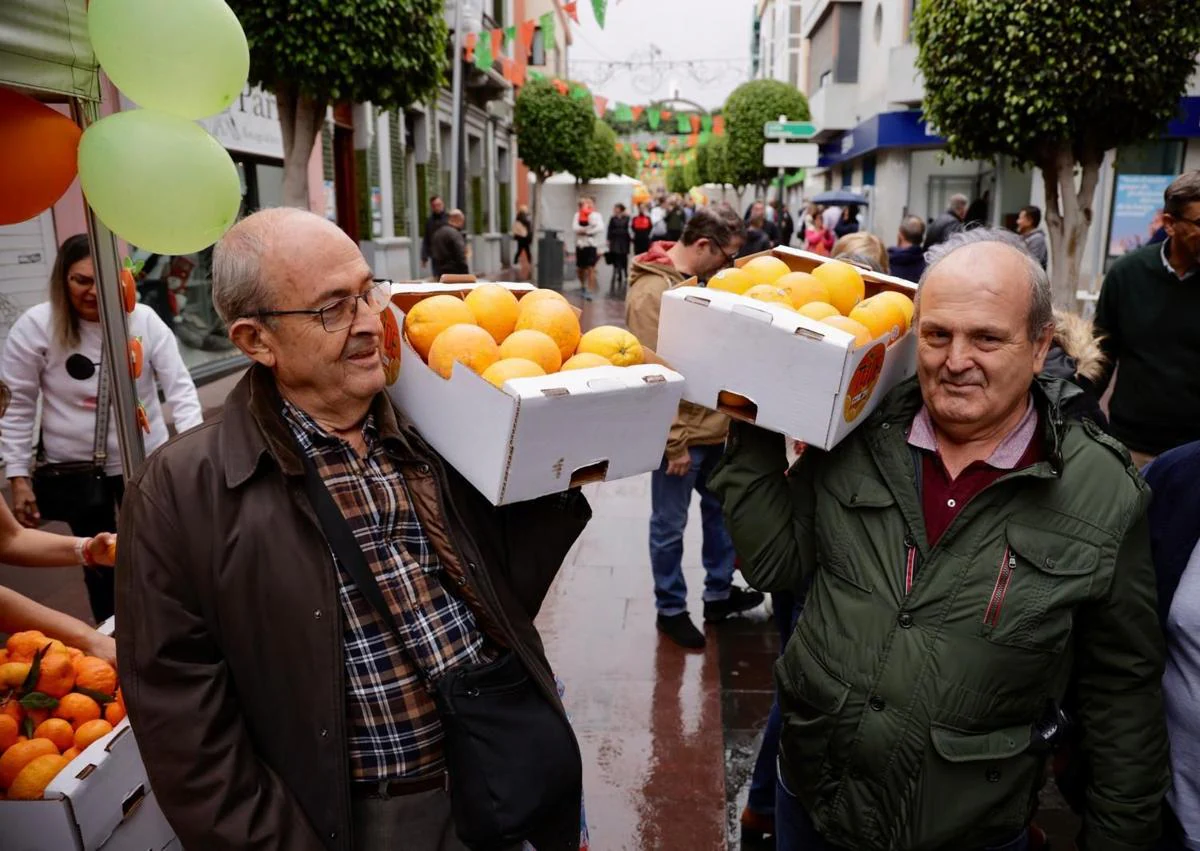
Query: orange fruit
[469, 345]
[495, 309]
[114, 713]
[880, 317]
[121, 699]
[861, 334]
[803, 288]
[536, 346]
[57, 675]
[733, 400]
[766, 269]
[95, 674]
[541, 295]
[13, 710]
[769, 293]
[31, 782]
[3, 655]
[23, 646]
[818, 310]
[74, 653]
[502, 370]
[9, 732]
[56, 730]
[37, 716]
[901, 301]
[731, 280]
[77, 709]
[20, 755]
[554, 318]
[12, 674]
[585, 360]
[616, 344]
[430, 317]
[845, 282]
[90, 731]
[71, 752]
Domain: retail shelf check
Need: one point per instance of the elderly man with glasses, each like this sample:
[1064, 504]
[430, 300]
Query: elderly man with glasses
[279, 701]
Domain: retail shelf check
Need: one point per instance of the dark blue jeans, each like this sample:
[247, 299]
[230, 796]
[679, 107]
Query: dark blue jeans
[670, 497]
[794, 830]
[763, 781]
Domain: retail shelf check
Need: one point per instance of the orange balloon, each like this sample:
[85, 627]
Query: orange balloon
[38, 150]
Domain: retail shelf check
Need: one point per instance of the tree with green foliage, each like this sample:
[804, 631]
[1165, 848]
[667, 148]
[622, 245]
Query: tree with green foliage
[677, 179]
[711, 161]
[554, 133]
[627, 163]
[747, 109]
[1055, 85]
[600, 159]
[321, 52]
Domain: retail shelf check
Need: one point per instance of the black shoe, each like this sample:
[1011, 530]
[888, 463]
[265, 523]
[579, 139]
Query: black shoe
[680, 629]
[739, 600]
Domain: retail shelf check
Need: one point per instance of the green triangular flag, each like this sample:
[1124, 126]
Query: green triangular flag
[624, 113]
[578, 92]
[706, 123]
[546, 22]
[483, 54]
[684, 123]
[510, 34]
[705, 135]
[599, 8]
[536, 75]
[654, 117]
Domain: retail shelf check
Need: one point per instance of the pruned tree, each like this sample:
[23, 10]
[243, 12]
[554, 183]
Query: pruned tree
[712, 161]
[1055, 85]
[600, 159]
[747, 109]
[319, 52]
[554, 133]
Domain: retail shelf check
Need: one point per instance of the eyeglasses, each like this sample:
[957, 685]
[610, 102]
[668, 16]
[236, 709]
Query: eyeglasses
[339, 315]
[82, 280]
[729, 258]
[1193, 222]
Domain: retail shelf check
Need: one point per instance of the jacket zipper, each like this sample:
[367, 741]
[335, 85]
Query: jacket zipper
[1007, 563]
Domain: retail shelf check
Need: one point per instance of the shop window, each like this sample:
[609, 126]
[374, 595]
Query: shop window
[868, 170]
[847, 175]
[399, 155]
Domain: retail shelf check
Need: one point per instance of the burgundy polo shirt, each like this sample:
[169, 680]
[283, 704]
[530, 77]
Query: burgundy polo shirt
[942, 497]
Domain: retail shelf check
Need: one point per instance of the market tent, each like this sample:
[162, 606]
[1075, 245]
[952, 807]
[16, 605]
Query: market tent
[44, 49]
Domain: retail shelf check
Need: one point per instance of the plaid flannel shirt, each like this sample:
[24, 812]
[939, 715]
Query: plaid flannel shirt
[392, 722]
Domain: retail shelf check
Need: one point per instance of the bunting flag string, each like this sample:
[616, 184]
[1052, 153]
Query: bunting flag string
[572, 9]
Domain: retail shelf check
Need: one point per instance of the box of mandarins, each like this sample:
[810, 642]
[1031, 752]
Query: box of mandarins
[500, 379]
[791, 341]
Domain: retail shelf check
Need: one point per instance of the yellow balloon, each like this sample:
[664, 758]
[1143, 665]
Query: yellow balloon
[159, 181]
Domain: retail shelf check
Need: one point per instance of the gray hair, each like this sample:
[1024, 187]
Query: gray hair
[959, 202]
[240, 285]
[1041, 305]
[912, 228]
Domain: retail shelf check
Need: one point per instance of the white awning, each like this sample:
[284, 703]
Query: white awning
[45, 50]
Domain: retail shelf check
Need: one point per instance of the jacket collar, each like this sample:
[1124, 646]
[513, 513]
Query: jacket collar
[1049, 395]
[253, 428]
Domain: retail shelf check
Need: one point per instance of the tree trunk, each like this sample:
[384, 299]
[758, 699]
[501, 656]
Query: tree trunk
[1068, 216]
[300, 119]
[536, 223]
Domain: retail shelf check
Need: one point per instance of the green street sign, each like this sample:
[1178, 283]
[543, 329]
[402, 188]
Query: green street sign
[790, 130]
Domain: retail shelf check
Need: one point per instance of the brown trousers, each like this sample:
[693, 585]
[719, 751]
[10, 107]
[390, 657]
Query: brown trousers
[419, 822]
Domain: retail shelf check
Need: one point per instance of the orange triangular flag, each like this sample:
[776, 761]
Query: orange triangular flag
[469, 42]
[572, 9]
[637, 111]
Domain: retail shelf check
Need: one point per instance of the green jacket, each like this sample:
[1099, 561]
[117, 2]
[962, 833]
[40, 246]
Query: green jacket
[907, 718]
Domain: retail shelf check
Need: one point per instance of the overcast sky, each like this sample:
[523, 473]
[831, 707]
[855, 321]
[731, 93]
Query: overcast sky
[704, 30]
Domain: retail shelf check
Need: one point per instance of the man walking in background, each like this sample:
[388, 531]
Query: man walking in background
[589, 225]
[1028, 221]
[948, 223]
[437, 218]
[710, 242]
[449, 248]
[1147, 314]
[906, 259]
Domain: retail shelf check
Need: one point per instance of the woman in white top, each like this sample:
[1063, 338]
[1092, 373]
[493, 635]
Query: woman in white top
[54, 350]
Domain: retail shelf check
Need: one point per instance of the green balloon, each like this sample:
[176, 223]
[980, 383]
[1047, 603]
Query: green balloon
[185, 57]
[159, 181]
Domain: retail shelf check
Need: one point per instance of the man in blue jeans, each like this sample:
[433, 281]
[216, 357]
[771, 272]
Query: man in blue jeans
[710, 241]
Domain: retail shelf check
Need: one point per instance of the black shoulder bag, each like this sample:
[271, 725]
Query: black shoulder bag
[511, 756]
[65, 489]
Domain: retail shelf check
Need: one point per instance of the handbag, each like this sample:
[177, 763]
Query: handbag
[511, 756]
[64, 490]
[519, 230]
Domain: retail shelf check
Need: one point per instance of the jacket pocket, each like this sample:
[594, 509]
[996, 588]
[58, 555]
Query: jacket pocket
[989, 776]
[811, 698]
[1041, 578]
[851, 535]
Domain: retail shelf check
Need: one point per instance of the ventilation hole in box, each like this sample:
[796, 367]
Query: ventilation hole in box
[698, 299]
[85, 771]
[555, 391]
[133, 800]
[737, 406]
[590, 474]
[654, 379]
[809, 334]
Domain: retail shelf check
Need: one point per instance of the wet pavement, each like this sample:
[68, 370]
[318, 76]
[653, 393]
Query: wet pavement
[669, 737]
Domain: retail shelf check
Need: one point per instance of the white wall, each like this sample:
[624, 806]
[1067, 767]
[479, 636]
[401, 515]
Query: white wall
[873, 54]
[891, 193]
[933, 163]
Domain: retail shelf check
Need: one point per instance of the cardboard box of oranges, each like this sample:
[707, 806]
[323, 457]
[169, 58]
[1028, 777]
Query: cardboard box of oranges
[499, 379]
[791, 341]
[78, 782]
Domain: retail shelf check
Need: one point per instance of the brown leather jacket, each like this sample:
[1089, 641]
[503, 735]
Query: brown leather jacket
[230, 633]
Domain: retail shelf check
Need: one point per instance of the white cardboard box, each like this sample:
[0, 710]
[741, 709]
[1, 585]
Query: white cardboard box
[144, 829]
[536, 436]
[806, 380]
